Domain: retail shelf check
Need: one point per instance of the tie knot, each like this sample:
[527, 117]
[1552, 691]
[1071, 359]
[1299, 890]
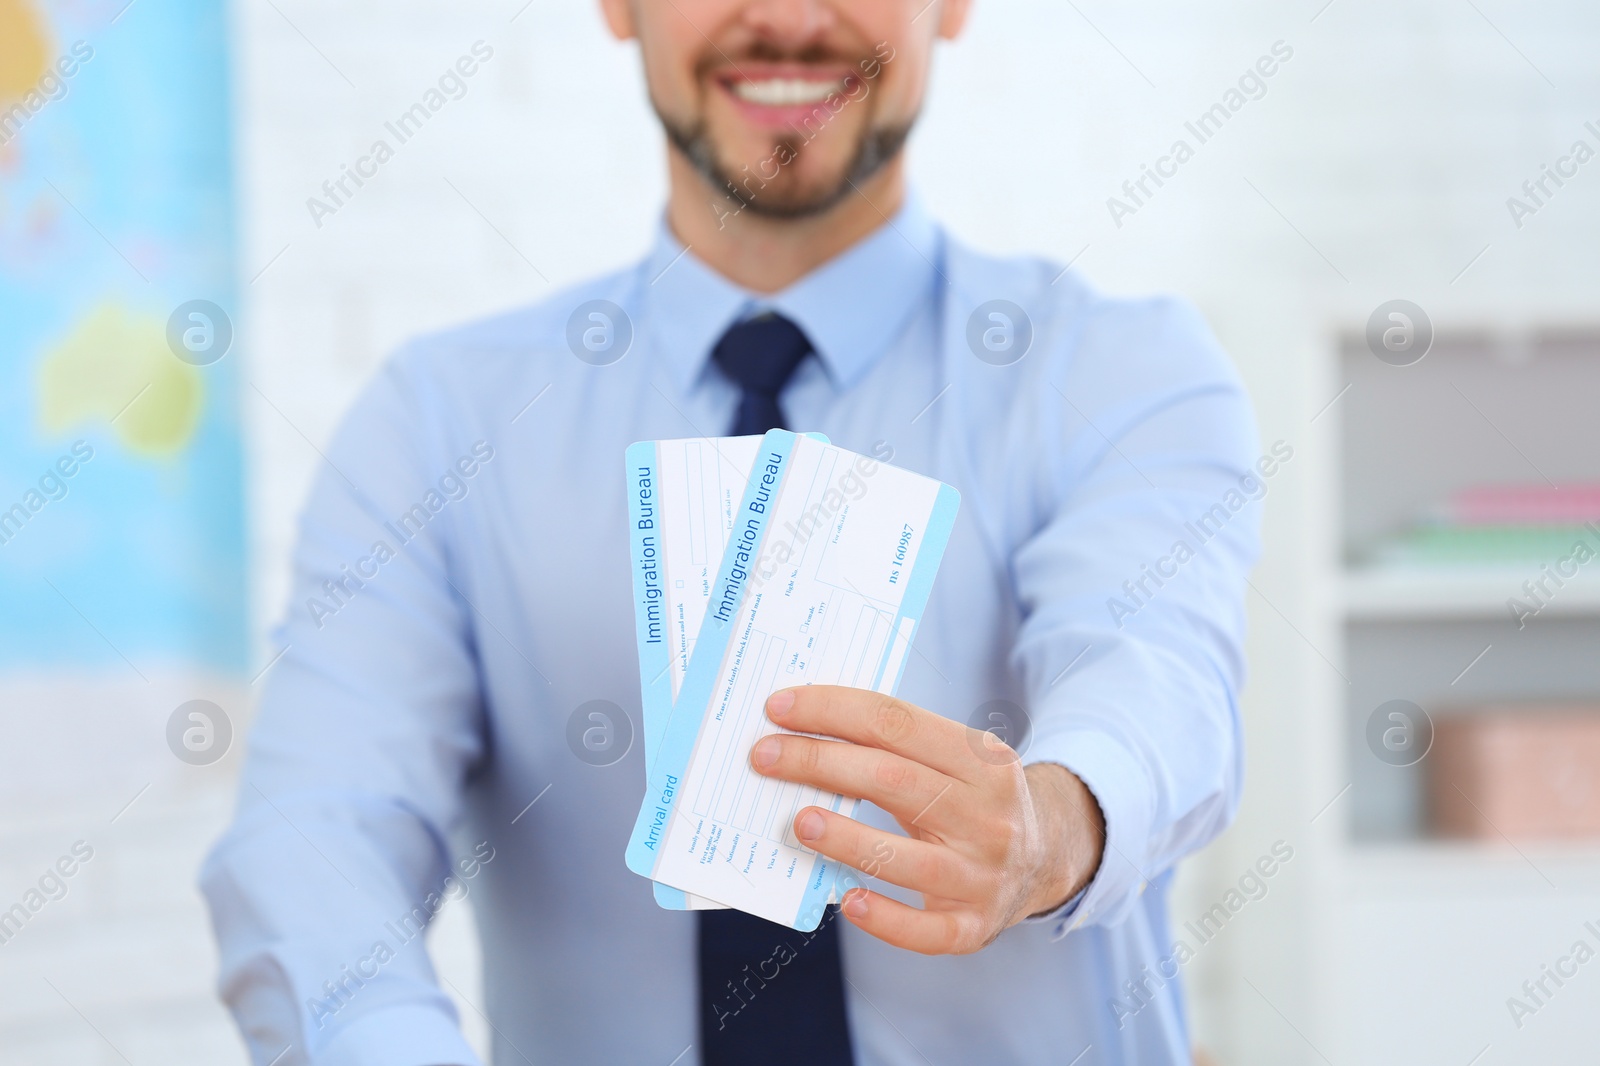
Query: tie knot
[760, 354]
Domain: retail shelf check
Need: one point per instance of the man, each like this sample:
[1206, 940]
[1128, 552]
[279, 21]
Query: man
[462, 597]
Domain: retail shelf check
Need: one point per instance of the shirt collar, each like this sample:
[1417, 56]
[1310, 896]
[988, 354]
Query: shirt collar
[850, 308]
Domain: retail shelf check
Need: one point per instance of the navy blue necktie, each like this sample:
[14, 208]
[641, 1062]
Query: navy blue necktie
[768, 994]
[760, 356]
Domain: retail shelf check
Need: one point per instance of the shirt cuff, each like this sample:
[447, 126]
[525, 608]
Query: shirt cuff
[1066, 910]
[1123, 790]
[399, 1037]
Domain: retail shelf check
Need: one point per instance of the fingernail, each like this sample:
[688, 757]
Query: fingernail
[766, 752]
[778, 703]
[809, 825]
[855, 904]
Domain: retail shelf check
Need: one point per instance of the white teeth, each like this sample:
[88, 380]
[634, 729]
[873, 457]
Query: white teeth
[785, 92]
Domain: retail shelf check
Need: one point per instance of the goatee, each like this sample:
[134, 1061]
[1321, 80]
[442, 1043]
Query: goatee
[876, 148]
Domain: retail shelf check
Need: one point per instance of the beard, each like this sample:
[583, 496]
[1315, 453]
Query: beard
[876, 147]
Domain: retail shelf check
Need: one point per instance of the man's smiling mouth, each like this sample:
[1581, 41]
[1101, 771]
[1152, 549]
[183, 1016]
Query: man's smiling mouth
[785, 92]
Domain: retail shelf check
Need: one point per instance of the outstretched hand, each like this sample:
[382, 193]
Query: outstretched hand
[988, 841]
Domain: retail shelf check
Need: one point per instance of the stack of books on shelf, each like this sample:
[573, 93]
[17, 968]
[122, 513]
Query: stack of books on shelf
[1490, 525]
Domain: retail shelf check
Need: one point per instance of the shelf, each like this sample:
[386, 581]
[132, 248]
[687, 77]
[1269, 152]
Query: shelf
[1435, 868]
[1463, 592]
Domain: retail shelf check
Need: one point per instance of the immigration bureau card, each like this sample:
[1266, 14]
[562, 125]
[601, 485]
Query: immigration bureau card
[824, 578]
[682, 498]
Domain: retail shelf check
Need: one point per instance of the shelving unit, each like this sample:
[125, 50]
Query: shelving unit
[1452, 868]
[1466, 592]
[1417, 942]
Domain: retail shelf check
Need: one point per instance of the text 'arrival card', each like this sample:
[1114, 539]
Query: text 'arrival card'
[826, 572]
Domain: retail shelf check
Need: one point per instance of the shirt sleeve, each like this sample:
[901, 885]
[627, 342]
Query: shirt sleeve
[337, 857]
[1132, 587]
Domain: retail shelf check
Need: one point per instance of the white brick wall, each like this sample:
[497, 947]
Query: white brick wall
[122, 964]
[1390, 142]
[128, 948]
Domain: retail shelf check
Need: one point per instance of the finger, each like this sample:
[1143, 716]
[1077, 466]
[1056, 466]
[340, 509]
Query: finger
[931, 869]
[912, 793]
[877, 721]
[952, 932]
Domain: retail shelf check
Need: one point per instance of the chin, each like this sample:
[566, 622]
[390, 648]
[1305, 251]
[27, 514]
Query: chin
[804, 187]
[785, 176]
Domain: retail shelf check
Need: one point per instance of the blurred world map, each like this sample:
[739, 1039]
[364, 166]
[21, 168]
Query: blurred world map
[122, 536]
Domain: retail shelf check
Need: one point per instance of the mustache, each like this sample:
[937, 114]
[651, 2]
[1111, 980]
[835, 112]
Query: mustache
[816, 54]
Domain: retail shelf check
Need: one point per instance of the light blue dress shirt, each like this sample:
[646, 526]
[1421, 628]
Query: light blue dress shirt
[462, 589]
